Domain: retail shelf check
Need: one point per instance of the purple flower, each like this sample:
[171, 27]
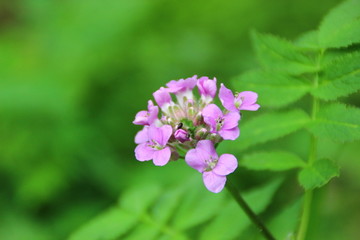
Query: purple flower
[154, 147]
[214, 169]
[147, 117]
[162, 98]
[243, 101]
[207, 88]
[226, 125]
[182, 88]
[181, 135]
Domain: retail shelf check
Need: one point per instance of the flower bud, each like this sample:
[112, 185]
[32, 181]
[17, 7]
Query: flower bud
[201, 133]
[181, 135]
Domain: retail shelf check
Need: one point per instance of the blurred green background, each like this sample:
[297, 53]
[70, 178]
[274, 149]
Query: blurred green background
[73, 74]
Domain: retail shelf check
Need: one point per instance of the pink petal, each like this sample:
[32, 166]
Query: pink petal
[227, 98]
[141, 118]
[162, 157]
[142, 136]
[143, 152]
[210, 113]
[166, 132]
[162, 97]
[230, 134]
[214, 182]
[248, 99]
[227, 164]
[208, 147]
[196, 159]
[231, 120]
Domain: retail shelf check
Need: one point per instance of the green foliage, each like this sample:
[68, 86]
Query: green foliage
[288, 72]
[341, 27]
[318, 174]
[337, 122]
[283, 225]
[275, 160]
[280, 55]
[266, 127]
[148, 212]
[340, 77]
[275, 89]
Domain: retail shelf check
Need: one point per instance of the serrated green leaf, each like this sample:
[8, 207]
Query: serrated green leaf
[318, 174]
[266, 127]
[337, 122]
[275, 160]
[232, 220]
[308, 40]
[109, 225]
[341, 77]
[278, 54]
[274, 89]
[341, 27]
[284, 224]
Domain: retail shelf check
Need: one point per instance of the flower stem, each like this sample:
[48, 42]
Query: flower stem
[246, 208]
[305, 217]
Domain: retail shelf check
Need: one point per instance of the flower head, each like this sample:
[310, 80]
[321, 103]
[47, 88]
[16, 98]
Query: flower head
[147, 117]
[224, 124]
[213, 168]
[242, 101]
[190, 126]
[155, 147]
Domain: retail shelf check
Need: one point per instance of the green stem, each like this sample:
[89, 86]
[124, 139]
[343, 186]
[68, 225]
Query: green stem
[246, 208]
[305, 217]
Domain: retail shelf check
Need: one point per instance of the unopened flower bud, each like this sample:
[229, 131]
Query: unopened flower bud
[201, 133]
[181, 135]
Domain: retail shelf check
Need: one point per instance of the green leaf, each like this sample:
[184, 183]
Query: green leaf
[337, 122]
[341, 27]
[341, 77]
[266, 127]
[274, 89]
[318, 174]
[232, 220]
[284, 224]
[278, 54]
[109, 225]
[308, 40]
[276, 161]
[147, 212]
[196, 207]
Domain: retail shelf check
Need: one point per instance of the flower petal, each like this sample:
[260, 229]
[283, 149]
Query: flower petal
[143, 152]
[196, 159]
[141, 118]
[249, 99]
[153, 112]
[162, 157]
[166, 132]
[208, 147]
[231, 120]
[227, 164]
[142, 136]
[230, 134]
[210, 113]
[214, 182]
[227, 98]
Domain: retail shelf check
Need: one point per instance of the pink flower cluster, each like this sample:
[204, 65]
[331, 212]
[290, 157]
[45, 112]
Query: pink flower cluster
[190, 127]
